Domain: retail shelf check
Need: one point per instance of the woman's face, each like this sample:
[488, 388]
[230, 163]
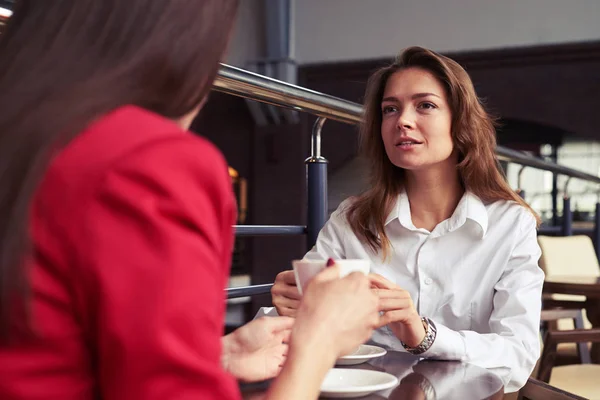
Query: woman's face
[416, 121]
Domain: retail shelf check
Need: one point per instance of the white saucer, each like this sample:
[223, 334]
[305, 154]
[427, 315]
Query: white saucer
[348, 383]
[363, 354]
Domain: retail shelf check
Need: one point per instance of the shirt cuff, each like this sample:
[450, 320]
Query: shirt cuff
[448, 345]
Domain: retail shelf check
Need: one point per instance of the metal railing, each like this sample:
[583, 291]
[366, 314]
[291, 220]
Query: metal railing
[239, 82]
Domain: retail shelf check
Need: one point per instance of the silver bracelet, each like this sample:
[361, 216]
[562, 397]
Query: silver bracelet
[430, 334]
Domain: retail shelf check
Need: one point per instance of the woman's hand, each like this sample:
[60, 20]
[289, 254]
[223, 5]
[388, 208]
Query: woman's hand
[256, 351]
[285, 295]
[334, 317]
[339, 314]
[399, 312]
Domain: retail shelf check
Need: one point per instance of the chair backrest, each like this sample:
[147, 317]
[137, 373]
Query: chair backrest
[568, 255]
[536, 390]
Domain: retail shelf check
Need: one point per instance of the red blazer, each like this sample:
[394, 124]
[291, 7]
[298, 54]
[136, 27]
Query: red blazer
[132, 234]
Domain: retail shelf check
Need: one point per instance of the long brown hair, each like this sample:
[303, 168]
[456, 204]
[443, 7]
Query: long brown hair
[473, 135]
[65, 63]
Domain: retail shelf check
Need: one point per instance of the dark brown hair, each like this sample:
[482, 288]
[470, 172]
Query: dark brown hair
[473, 135]
[65, 63]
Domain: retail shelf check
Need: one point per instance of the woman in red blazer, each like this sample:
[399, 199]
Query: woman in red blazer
[115, 223]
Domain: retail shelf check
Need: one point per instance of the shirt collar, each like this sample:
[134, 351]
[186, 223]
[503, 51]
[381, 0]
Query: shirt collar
[470, 207]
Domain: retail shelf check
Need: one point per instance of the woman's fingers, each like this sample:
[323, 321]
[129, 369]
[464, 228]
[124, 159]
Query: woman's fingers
[386, 305]
[286, 277]
[277, 324]
[391, 293]
[284, 302]
[285, 290]
[285, 349]
[285, 285]
[394, 316]
[287, 311]
[380, 282]
[284, 336]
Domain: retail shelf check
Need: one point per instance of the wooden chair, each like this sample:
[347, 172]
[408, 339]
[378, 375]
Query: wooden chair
[568, 255]
[537, 390]
[583, 378]
[564, 311]
[573, 256]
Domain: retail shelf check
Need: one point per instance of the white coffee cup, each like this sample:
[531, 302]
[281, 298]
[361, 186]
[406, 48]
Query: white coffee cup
[305, 270]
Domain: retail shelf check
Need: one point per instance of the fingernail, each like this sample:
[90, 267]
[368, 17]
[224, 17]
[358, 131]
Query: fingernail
[330, 262]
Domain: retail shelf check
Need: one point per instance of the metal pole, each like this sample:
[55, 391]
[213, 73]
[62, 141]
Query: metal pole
[567, 213]
[520, 191]
[269, 230]
[554, 157]
[236, 292]
[596, 234]
[316, 180]
[567, 217]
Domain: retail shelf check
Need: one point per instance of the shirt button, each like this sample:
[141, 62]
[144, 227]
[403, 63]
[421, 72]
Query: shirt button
[428, 281]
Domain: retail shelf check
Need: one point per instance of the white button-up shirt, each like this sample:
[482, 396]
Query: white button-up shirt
[476, 276]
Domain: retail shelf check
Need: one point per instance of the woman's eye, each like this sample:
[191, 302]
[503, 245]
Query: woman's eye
[427, 106]
[388, 109]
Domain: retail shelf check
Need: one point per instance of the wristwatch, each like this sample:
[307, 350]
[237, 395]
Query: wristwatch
[430, 334]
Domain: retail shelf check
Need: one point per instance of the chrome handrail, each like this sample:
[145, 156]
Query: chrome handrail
[239, 82]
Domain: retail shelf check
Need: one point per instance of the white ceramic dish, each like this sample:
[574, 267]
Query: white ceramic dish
[350, 383]
[363, 354]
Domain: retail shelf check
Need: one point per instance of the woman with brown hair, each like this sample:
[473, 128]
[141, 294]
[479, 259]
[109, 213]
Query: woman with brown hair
[116, 223]
[453, 249]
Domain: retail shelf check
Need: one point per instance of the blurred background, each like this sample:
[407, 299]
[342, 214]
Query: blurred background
[535, 64]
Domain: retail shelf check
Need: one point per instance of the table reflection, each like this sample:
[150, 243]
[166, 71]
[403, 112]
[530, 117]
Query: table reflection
[427, 379]
[422, 379]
